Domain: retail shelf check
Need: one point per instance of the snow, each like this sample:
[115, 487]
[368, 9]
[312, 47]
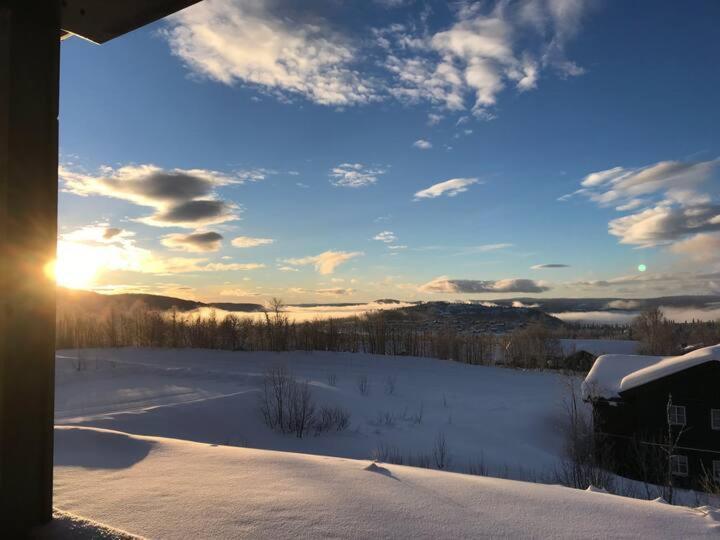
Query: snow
[670, 365]
[67, 525]
[614, 373]
[167, 488]
[506, 419]
[599, 346]
[170, 444]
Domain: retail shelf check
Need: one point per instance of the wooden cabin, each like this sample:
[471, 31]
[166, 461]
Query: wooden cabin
[656, 416]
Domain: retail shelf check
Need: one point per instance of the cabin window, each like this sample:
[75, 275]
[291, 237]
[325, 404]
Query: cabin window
[715, 419]
[679, 465]
[716, 471]
[676, 415]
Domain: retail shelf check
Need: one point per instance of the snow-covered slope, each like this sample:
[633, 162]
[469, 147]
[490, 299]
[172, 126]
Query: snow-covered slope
[506, 419]
[166, 488]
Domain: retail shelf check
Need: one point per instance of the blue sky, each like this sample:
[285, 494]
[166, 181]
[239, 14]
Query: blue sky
[555, 132]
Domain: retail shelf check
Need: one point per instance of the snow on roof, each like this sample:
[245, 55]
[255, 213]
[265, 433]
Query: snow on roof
[615, 373]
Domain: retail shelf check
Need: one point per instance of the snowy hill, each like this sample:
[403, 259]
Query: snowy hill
[165, 488]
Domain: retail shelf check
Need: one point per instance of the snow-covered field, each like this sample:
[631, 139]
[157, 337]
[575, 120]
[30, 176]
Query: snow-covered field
[170, 444]
[504, 418]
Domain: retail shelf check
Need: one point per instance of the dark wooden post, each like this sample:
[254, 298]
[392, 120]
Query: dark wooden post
[29, 71]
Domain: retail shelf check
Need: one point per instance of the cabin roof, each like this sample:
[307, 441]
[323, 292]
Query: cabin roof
[613, 374]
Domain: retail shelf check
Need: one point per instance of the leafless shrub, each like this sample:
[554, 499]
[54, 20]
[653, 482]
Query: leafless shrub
[285, 404]
[385, 419]
[440, 452]
[274, 397]
[387, 453]
[477, 466]
[363, 385]
[332, 379]
[420, 460]
[331, 419]
[301, 409]
[581, 467]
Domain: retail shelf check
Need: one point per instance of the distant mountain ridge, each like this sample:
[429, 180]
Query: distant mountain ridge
[93, 302]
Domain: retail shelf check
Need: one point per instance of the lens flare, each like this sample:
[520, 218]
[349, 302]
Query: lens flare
[641, 267]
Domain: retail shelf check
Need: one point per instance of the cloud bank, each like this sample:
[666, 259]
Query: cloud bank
[471, 286]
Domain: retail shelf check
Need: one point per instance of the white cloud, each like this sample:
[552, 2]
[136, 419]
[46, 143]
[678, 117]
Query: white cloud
[670, 205]
[354, 175]
[434, 119]
[292, 49]
[486, 49]
[245, 41]
[248, 241]
[181, 197]
[665, 224]
[386, 236]
[625, 185]
[450, 188]
[445, 285]
[325, 263]
[422, 144]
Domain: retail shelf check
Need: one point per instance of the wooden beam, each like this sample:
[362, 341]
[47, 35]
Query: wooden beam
[29, 71]
[102, 20]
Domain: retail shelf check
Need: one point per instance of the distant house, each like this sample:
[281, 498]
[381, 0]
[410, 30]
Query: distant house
[647, 408]
[580, 354]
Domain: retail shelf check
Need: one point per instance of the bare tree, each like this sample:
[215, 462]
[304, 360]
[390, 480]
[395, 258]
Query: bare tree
[654, 332]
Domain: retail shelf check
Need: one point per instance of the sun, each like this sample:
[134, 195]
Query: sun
[76, 267]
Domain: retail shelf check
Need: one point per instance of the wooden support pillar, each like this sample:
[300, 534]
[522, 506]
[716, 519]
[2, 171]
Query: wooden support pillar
[29, 71]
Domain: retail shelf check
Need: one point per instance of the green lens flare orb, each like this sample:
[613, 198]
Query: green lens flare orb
[642, 267]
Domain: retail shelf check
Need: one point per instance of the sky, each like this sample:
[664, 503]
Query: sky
[345, 151]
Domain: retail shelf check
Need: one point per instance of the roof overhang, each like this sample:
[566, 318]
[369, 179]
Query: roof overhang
[102, 20]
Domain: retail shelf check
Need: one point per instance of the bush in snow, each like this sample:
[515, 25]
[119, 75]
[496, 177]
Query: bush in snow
[332, 419]
[288, 406]
[582, 467]
[285, 404]
[477, 467]
[332, 379]
[440, 452]
[387, 453]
